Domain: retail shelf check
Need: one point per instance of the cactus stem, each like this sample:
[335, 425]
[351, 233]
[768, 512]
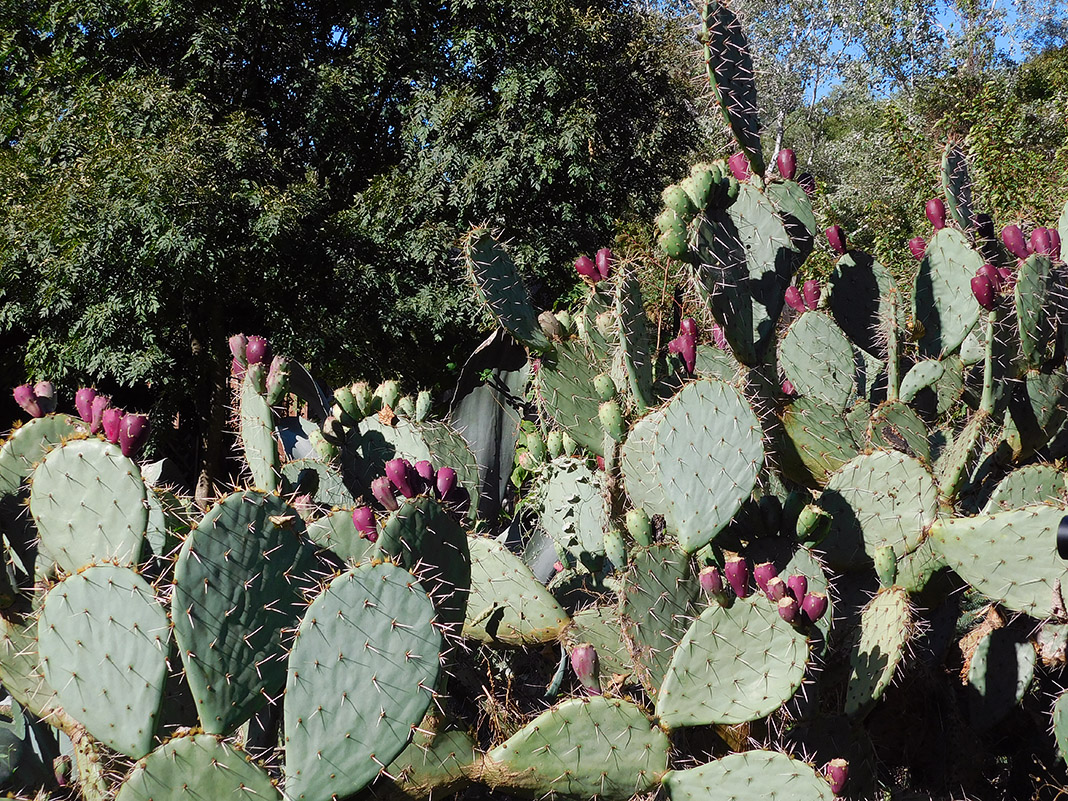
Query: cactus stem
[893, 375]
[987, 403]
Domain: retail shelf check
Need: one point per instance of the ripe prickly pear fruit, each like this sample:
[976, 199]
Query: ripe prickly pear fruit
[25, 397]
[991, 272]
[983, 289]
[936, 213]
[788, 388]
[1040, 241]
[776, 590]
[787, 163]
[585, 267]
[711, 581]
[789, 609]
[762, 574]
[639, 526]
[363, 517]
[814, 606]
[837, 773]
[739, 164]
[719, 337]
[398, 471]
[584, 663]
[445, 481]
[604, 386]
[836, 238]
[96, 423]
[554, 444]
[423, 475]
[808, 183]
[793, 299]
[798, 586]
[1013, 238]
[611, 416]
[688, 325]
[1008, 278]
[83, 402]
[382, 490]
[133, 431]
[46, 396]
[685, 347]
[917, 247]
[1055, 243]
[811, 293]
[737, 571]
[604, 263]
[238, 346]
[258, 351]
[111, 420]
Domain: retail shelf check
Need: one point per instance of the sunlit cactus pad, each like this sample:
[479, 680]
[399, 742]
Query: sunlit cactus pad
[29, 443]
[885, 627]
[753, 774]
[817, 358]
[1026, 486]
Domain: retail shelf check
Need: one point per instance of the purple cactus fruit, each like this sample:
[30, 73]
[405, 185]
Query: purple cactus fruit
[737, 571]
[719, 337]
[763, 573]
[1008, 278]
[584, 663]
[111, 419]
[238, 346]
[776, 590]
[1013, 238]
[836, 239]
[814, 606]
[793, 299]
[383, 492]
[363, 517]
[983, 289]
[604, 263]
[936, 213]
[423, 476]
[917, 247]
[258, 351]
[808, 183]
[798, 586]
[688, 352]
[600, 462]
[1055, 243]
[811, 293]
[585, 267]
[837, 773]
[1040, 241]
[46, 396]
[687, 325]
[445, 481]
[25, 397]
[788, 608]
[96, 423]
[397, 471]
[237, 370]
[133, 431]
[991, 272]
[788, 388]
[787, 162]
[739, 164]
[558, 566]
[711, 580]
[83, 402]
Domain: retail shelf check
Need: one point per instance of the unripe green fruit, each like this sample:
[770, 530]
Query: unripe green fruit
[611, 417]
[812, 525]
[422, 406]
[554, 444]
[886, 565]
[676, 199]
[570, 446]
[536, 447]
[389, 393]
[364, 399]
[615, 548]
[639, 526]
[605, 387]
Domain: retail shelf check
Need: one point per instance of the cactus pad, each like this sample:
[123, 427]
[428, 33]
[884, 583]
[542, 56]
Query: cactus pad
[602, 628]
[563, 386]
[817, 358]
[957, 184]
[942, 301]
[572, 512]
[112, 680]
[29, 443]
[895, 426]
[329, 486]
[257, 435]
[1060, 720]
[1033, 293]
[435, 764]
[860, 288]
[361, 674]
[820, 438]
[335, 532]
[634, 341]
[21, 672]
[1000, 672]
[885, 626]
[753, 774]
[1026, 486]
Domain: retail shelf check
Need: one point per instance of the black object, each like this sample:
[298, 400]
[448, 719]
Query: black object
[1062, 538]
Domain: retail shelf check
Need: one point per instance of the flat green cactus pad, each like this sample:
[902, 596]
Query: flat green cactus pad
[112, 681]
[820, 439]
[957, 184]
[507, 604]
[584, 748]
[716, 452]
[1034, 309]
[238, 584]
[1037, 410]
[361, 674]
[1010, 557]
[335, 532]
[435, 764]
[942, 299]
[572, 511]
[1026, 486]
[563, 387]
[29, 443]
[88, 501]
[818, 359]
[330, 489]
[712, 362]
[753, 774]
[735, 664]
[602, 628]
[197, 766]
[21, 673]
[885, 626]
[859, 299]
[257, 435]
[895, 426]
[1062, 227]
[877, 499]
[916, 568]
[1000, 672]
[634, 341]
[1060, 722]
[639, 464]
[795, 208]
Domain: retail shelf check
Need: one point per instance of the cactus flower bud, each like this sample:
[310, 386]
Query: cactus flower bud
[762, 574]
[687, 325]
[936, 213]
[83, 402]
[639, 526]
[983, 289]
[836, 238]
[363, 517]
[788, 608]
[737, 572]
[445, 481]
[111, 419]
[917, 247]
[798, 586]
[811, 293]
[711, 580]
[739, 164]
[837, 773]
[788, 388]
[96, 423]
[814, 606]
[793, 299]
[1013, 238]
[604, 263]
[776, 590]
[584, 663]
[238, 346]
[382, 490]
[585, 267]
[133, 431]
[25, 397]
[787, 163]
[397, 471]
[46, 396]
[1040, 241]
[257, 351]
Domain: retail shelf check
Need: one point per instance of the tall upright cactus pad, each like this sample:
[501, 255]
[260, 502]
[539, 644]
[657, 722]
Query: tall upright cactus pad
[362, 672]
[942, 301]
[957, 184]
[885, 627]
[89, 504]
[859, 299]
[639, 464]
[1000, 671]
[877, 499]
[197, 766]
[1010, 557]
[817, 358]
[585, 748]
[238, 585]
[1035, 292]
[572, 512]
[717, 448]
[563, 387]
[730, 71]
[735, 664]
[634, 341]
[500, 288]
[795, 209]
[507, 604]
[257, 435]
[753, 774]
[820, 439]
[29, 443]
[104, 645]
